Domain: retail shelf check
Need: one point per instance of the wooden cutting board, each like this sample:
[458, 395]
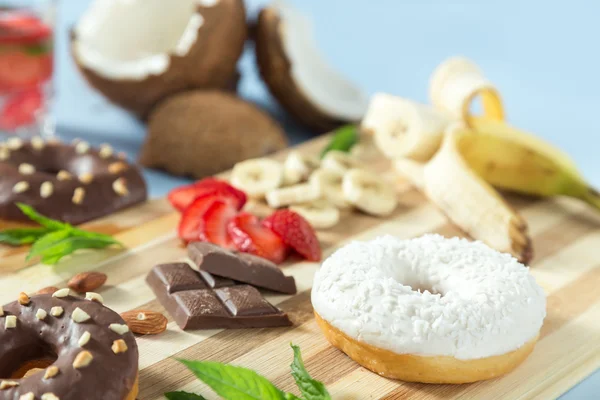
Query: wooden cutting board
[566, 238]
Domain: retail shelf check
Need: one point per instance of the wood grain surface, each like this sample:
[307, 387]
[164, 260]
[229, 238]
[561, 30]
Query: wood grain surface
[566, 237]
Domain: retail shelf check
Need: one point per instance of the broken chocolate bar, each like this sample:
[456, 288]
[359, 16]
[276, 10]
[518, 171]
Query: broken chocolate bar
[199, 300]
[241, 267]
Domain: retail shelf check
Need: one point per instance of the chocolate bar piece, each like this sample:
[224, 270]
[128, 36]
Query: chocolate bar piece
[241, 267]
[199, 300]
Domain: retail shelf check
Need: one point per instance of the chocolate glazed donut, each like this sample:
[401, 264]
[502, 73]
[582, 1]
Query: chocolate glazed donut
[86, 350]
[73, 183]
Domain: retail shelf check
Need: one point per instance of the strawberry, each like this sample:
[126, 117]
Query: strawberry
[250, 236]
[295, 232]
[19, 28]
[183, 196]
[214, 224]
[19, 110]
[21, 71]
[192, 220]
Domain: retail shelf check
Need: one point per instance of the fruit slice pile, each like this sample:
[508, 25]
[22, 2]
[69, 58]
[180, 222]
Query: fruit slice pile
[212, 212]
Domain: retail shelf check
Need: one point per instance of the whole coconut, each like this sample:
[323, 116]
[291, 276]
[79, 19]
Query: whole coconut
[201, 133]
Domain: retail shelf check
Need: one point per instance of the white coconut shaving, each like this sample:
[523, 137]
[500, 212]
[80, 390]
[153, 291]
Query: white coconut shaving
[430, 296]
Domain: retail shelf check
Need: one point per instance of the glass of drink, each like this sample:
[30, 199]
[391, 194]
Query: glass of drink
[26, 64]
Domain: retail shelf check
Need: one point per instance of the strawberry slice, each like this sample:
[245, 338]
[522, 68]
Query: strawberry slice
[183, 196]
[191, 224]
[250, 236]
[17, 27]
[19, 110]
[215, 221]
[21, 71]
[295, 232]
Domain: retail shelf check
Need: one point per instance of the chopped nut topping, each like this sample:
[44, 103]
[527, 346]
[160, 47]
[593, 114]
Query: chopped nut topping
[61, 293]
[79, 315]
[86, 178]
[119, 346]
[41, 314]
[8, 384]
[51, 372]
[117, 167]
[26, 169]
[46, 190]
[105, 151]
[49, 396]
[82, 147]
[4, 153]
[10, 322]
[64, 175]
[118, 328]
[27, 396]
[1, 311]
[37, 143]
[24, 299]
[83, 359]
[84, 339]
[78, 195]
[56, 311]
[120, 187]
[141, 316]
[14, 143]
[91, 296]
[21, 187]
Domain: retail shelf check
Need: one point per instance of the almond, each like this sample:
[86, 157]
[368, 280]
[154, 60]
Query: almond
[87, 281]
[145, 322]
[47, 290]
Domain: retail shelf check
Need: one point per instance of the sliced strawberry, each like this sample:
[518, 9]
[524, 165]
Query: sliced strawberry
[19, 110]
[183, 196]
[22, 28]
[215, 221]
[192, 220]
[295, 232]
[19, 70]
[250, 236]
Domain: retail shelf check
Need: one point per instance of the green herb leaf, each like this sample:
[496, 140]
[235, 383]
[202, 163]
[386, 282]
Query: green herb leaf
[344, 138]
[231, 382]
[46, 242]
[310, 388]
[19, 237]
[54, 250]
[40, 219]
[183, 396]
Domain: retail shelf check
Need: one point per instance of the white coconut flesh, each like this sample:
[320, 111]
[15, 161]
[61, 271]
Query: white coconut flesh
[133, 39]
[321, 84]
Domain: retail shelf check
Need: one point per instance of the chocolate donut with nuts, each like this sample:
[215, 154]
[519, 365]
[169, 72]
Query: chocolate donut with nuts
[72, 183]
[83, 350]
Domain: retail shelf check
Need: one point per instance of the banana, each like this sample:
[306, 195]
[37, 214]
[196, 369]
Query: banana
[413, 170]
[456, 83]
[257, 176]
[320, 213]
[298, 167]
[403, 128]
[471, 203]
[340, 161]
[369, 193]
[329, 183]
[293, 195]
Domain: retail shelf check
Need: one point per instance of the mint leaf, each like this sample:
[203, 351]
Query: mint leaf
[311, 389]
[18, 237]
[46, 242]
[53, 249]
[344, 138]
[40, 219]
[183, 396]
[231, 382]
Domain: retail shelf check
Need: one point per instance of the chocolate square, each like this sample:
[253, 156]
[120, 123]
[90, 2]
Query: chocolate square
[178, 277]
[244, 300]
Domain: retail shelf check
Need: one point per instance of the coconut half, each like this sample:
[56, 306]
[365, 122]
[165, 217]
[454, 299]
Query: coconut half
[137, 52]
[298, 75]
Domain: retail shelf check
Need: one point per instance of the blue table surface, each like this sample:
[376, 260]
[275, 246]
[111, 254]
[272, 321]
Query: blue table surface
[541, 54]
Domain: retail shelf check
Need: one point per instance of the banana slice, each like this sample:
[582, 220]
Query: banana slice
[340, 161]
[413, 170]
[457, 82]
[368, 192]
[320, 213]
[293, 195]
[257, 176]
[298, 167]
[471, 203]
[329, 184]
[403, 128]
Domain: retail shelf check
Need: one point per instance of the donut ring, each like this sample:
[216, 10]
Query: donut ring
[429, 309]
[73, 183]
[105, 366]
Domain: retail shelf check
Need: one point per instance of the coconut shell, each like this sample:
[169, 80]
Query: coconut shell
[201, 133]
[209, 64]
[275, 69]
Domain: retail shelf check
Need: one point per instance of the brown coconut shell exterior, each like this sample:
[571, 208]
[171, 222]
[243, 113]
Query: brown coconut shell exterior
[275, 69]
[201, 133]
[209, 64]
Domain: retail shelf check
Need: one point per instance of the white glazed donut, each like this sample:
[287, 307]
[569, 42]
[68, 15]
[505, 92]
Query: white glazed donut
[429, 309]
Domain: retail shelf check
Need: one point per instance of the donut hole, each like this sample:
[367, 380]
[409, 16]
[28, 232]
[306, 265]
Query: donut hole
[410, 277]
[26, 360]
